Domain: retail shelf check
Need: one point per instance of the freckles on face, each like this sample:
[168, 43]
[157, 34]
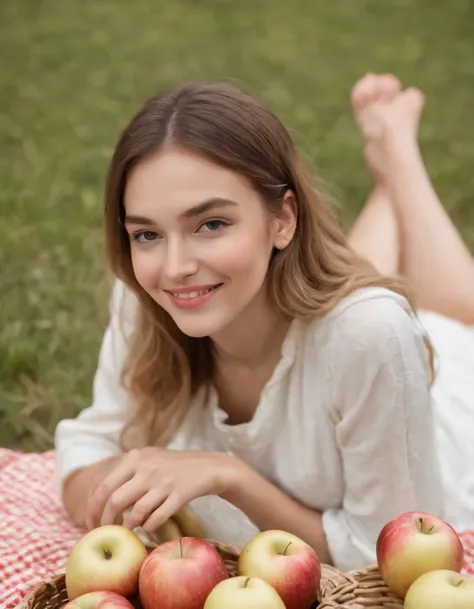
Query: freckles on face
[194, 224]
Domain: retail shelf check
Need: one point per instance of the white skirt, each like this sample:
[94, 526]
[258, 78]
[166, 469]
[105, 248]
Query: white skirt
[453, 400]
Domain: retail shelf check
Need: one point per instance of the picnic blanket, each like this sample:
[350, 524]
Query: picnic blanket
[36, 534]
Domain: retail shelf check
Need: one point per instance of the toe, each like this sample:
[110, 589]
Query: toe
[362, 92]
[388, 86]
[413, 98]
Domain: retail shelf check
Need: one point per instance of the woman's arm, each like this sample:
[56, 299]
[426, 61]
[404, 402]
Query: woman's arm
[150, 485]
[384, 428]
[80, 484]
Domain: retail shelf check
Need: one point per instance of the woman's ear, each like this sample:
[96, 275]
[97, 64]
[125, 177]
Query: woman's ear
[285, 221]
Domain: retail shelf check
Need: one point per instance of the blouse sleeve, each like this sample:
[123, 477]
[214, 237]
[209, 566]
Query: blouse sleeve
[384, 428]
[94, 434]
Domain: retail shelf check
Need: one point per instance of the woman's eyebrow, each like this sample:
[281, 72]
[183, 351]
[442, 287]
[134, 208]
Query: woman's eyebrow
[196, 210]
[208, 205]
[138, 220]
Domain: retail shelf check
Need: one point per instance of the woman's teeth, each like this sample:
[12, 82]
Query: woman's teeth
[189, 295]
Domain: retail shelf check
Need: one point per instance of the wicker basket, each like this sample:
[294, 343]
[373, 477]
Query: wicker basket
[52, 594]
[360, 589]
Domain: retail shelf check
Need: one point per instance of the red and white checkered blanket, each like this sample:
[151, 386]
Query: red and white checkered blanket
[36, 534]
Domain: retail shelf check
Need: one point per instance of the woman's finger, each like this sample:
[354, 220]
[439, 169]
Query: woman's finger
[123, 498]
[119, 476]
[143, 508]
[168, 507]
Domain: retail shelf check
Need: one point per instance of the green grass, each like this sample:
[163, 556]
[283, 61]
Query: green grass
[72, 74]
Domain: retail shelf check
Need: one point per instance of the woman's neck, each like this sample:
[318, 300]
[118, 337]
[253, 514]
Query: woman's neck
[253, 338]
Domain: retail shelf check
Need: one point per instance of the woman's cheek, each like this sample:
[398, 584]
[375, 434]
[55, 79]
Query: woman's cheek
[239, 254]
[147, 269]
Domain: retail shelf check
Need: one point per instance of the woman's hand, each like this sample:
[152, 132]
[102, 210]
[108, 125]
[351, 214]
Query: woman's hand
[154, 483]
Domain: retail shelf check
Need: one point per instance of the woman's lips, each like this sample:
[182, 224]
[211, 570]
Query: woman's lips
[193, 297]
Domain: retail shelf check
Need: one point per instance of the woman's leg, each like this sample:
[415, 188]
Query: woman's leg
[375, 233]
[433, 257]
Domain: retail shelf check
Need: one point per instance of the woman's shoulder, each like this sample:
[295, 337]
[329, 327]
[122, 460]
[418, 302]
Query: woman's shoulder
[371, 332]
[367, 318]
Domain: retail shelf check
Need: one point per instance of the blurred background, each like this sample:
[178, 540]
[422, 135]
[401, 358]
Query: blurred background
[74, 72]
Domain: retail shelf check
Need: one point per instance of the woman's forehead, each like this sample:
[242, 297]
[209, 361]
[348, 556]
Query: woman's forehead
[177, 181]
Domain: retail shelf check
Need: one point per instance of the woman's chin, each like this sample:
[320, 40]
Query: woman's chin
[199, 328]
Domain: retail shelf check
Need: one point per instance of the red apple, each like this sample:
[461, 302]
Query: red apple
[413, 544]
[106, 558]
[441, 589]
[99, 600]
[287, 563]
[180, 574]
[244, 593]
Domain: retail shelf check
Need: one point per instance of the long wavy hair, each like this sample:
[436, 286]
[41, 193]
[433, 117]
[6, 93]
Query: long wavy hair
[164, 368]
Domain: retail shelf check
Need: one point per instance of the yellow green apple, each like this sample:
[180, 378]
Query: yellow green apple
[107, 558]
[180, 574]
[286, 562]
[415, 543]
[441, 589]
[244, 592]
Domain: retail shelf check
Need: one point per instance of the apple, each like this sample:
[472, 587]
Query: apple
[99, 600]
[413, 544]
[106, 558]
[180, 574]
[286, 562]
[441, 589]
[244, 592]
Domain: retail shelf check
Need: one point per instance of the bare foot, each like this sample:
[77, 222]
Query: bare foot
[387, 117]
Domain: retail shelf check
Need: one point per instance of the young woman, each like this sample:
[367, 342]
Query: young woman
[256, 369]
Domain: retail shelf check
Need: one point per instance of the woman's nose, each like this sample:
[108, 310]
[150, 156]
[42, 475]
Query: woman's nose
[180, 261]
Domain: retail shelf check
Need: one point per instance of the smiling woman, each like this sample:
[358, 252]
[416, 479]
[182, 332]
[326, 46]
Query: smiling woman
[255, 367]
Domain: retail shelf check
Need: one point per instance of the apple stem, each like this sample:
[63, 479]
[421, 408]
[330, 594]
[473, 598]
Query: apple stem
[247, 581]
[181, 547]
[107, 554]
[422, 526]
[284, 551]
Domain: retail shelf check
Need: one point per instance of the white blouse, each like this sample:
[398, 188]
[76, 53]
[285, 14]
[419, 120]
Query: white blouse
[344, 425]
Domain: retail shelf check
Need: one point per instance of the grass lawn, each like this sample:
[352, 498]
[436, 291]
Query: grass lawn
[72, 74]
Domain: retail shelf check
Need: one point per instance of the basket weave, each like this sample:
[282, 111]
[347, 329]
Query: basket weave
[51, 594]
[360, 589]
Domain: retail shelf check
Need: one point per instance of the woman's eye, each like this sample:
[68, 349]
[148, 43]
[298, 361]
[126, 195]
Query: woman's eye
[144, 236]
[213, 225]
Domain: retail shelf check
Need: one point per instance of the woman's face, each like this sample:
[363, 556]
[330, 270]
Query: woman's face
[201, 238]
